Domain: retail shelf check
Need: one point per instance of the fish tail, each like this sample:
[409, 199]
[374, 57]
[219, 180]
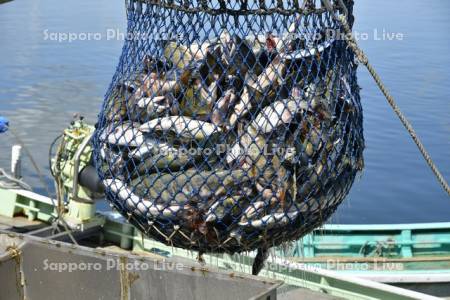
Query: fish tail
[260, 258]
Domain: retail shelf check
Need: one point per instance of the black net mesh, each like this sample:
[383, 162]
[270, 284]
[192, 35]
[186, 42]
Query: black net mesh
[230, 126]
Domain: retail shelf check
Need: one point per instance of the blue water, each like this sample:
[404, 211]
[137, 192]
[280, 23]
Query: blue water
[44, 82]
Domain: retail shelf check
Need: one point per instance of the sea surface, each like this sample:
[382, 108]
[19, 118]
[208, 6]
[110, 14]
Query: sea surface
[44, 82]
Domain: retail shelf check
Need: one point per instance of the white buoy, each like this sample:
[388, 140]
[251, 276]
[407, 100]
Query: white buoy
[16, 161]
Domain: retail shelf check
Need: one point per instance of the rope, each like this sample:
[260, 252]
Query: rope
[9, 182]
[44, 185]
[14, 252]
[365, 61]
[261, 9]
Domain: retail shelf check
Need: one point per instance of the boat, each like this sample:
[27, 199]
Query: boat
[412, 256]
[28, 238]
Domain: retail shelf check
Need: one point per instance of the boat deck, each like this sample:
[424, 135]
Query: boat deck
[23, 225]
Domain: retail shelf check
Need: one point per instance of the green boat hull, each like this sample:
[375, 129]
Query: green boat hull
[329, 260]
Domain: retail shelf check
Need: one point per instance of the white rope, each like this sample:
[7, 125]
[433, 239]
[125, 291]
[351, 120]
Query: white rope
[9, 182]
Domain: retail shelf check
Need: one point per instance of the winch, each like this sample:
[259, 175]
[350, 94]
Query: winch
[76, 180]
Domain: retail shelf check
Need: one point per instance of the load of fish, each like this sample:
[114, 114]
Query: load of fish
[234, 143]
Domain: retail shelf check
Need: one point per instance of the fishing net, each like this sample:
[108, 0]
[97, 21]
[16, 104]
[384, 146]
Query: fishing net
[230, 125]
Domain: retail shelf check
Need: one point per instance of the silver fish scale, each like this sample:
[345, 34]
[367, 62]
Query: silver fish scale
[234, 131]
